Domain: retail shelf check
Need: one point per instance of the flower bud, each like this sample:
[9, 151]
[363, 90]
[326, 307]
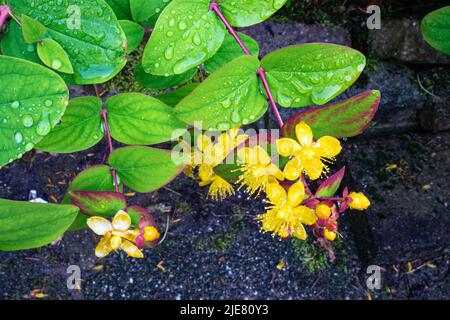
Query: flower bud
[329, 235]
[151, 233]
[323, 211]
[357, 201]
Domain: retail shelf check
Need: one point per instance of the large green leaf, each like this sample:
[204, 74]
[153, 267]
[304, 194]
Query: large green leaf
[13, 44]
[436, 29]
[26, 225]
[174, 97]
[32, 101]
[243, 13]
[342, 119]
[53, 55]
[144, 169]
[80, 127]
[134, 34]
[229, 98]
[187, 33]
[121, 8]
[151, 81]
[135, 118]
[144, 10]
[313, 73]
[95, 44]
[230, 50]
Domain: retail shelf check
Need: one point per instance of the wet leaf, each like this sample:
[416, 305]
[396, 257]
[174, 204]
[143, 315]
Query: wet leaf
[121, 8]
[32, 30]
[229, 98]
[330, 186]
[144, 11]
[342, 119]
[26, 225]
[144, 169]
[174, 97]
[80, 127]
[245, 13]
[134, 34]
[151, 81]
[13, 44]
[33, 100]
[231, 50]
[95, 44]
[187, 33]
[53, 55]
[436, 29]
[311, 74]
[137, 119]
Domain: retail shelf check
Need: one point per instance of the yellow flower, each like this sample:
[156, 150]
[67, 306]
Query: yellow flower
[358, 201]
[258, 170]
[208, 155]
[307, 155]
[285, 217]
[116, 235]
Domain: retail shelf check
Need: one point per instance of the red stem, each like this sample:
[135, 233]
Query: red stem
[215, 7]
[4, 13]
[111, 148]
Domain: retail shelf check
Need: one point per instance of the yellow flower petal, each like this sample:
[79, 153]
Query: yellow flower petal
[306, 215]
[240, 138]
[293, 169]
[205, 172]
[296, 194]
[287, 147]
[131, 250]
[276, 194]
[312, 164]
[103, 248]
[115, 242]
[99, 225]
[328, 147]
[203, 142]
[304, 134]
[121, 221]
[299, 232]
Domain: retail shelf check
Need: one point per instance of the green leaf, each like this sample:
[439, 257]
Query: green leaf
[80, 127]
[32, 30]
[330, 186]
[144, 10]
[229, 98]
[174, 97]
[313, 73]
[53, 55]
[134, 34]
[144, 169]
[245, 13]
[187, 33]
[151, 81]
[137, 119]
[342, 119]
[26, 225]
[95, 44]
[96, 178]
[32, 100]
[229, 51]
[121, 8]
[436, 29]
[98, 203]
[13, 44]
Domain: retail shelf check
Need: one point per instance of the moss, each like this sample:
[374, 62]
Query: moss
[220, 242]
[313, 258]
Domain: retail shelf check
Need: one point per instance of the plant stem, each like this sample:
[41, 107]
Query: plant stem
[215, 7]
[4, 13]
[111, 148]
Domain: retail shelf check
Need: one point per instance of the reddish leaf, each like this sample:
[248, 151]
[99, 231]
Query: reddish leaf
[98, 203]
[346, 118]
[329, 187]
